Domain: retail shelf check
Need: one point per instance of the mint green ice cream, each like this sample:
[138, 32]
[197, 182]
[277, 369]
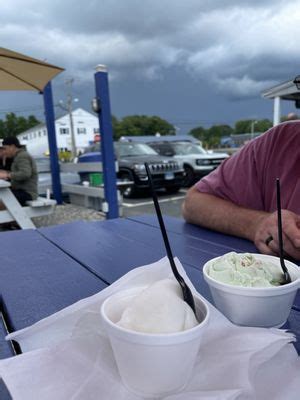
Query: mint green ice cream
[245, 270]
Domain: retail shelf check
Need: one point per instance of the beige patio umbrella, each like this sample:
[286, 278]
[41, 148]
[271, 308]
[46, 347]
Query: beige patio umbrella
[20, 72]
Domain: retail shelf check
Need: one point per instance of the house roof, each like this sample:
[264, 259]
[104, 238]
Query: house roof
[286, 90]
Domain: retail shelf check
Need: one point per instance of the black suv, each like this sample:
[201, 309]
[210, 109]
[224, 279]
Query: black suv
[167, 173]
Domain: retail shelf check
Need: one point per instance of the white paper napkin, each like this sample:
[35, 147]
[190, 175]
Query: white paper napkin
[67, 356]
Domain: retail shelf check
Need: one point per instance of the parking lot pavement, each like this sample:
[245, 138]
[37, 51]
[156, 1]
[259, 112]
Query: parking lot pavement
[169, 204]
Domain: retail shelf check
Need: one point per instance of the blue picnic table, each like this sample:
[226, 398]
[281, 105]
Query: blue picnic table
[47, 269]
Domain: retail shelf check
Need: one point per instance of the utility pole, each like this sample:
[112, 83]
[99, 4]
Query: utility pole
[68, 108]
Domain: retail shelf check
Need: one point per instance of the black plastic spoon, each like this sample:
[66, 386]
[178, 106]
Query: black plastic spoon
[286, 275]
[186, 291]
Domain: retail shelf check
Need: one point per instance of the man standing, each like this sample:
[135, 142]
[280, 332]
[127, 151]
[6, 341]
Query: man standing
[23, 174]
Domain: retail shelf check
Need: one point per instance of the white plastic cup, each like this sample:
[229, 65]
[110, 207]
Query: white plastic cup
[86, 183]
[152, 365]
[255, 306]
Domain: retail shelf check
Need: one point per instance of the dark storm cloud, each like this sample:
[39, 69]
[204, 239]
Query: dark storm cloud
[137, 18]
[236, 48]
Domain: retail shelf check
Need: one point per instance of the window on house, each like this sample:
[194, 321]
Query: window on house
[64, 131]
[96, 130]
[81, 131]
[40, 133]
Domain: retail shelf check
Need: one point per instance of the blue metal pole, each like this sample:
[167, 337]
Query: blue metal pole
[49, 115]
[107, 147]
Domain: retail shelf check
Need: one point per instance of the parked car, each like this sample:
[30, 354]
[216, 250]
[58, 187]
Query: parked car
[167, 173]
[197, 162]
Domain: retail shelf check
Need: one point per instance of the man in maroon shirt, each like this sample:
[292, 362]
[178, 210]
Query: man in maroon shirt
[239, 197]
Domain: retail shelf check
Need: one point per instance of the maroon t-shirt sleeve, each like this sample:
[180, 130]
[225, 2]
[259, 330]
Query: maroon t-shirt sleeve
[236, 179]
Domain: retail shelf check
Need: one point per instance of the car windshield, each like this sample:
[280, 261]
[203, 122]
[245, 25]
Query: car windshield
[187, 148]
[133, 149]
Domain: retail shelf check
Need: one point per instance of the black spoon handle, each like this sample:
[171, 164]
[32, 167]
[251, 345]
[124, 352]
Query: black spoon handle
[279, 221]
[162, 225]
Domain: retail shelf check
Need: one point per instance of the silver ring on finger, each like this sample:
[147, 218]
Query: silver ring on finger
[269, 240]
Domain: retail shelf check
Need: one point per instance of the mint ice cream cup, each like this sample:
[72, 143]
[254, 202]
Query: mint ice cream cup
[259, 306]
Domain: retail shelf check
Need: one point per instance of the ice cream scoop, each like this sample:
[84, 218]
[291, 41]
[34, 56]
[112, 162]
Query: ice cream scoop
[245, 270]
[159, 308]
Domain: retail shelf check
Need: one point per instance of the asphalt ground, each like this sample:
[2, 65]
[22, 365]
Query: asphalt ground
[169, 204]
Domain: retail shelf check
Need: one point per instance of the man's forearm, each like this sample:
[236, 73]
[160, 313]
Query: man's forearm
[221, 215]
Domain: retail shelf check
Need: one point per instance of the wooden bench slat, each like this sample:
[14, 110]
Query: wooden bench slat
[41, 202]
[91, 191]
[81, 167]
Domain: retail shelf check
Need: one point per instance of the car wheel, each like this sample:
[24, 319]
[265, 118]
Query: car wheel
[130, 190]
[189, 176]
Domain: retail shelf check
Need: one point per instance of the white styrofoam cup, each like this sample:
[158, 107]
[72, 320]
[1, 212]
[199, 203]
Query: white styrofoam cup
[152, 365]
[255, 306]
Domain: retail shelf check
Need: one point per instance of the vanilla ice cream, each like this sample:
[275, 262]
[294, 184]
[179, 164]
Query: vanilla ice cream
[159, 308]
[245, 270]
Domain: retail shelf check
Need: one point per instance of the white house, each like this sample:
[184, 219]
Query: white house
[86, 130]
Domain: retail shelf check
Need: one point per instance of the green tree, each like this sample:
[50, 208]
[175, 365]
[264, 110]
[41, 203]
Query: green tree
[211, 137]
[246, 125]
[199, 133]
[32, 121]
[243, 126]
[2, 129]
[215, 133]
[263, 125]
[140, 125]
[12, 125]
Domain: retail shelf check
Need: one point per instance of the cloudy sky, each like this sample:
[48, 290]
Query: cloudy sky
[192, 62]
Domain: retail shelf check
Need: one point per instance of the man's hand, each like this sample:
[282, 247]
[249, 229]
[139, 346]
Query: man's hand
[4, 174]
[267, 228]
